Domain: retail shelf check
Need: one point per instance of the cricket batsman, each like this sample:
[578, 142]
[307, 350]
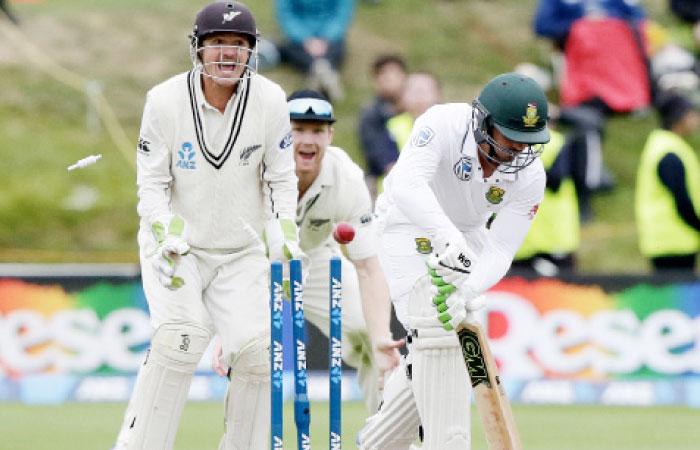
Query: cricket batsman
[461, 197]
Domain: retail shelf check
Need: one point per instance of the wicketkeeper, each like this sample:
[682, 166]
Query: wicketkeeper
[215, 173]
[462, 196]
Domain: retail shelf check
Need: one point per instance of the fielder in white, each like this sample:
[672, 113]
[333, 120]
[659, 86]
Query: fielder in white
[215, 174]
[331, 190]
[460, 199]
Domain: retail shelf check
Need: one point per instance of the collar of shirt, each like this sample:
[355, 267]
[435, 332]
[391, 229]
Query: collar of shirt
[206, 106]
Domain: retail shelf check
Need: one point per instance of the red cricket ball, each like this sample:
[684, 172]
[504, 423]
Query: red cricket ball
[343, 233]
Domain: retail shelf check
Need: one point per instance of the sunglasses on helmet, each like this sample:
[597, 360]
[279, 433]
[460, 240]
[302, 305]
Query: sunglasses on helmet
[310, 108]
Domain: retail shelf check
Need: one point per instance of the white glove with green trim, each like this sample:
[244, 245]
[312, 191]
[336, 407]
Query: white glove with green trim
[453, 260]
[282, 244]
[453, 305]
[169, 231]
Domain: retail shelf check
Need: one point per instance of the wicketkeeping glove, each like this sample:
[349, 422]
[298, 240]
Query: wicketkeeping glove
[282, 244]
[169, 231]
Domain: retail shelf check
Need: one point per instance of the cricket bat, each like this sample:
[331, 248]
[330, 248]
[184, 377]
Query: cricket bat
[491, 400]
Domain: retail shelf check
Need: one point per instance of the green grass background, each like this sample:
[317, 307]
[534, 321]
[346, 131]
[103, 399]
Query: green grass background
[131, 45]
[94, 426]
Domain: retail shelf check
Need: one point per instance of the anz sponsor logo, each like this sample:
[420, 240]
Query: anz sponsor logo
[286, 141]
[186, 160]
[463, 168]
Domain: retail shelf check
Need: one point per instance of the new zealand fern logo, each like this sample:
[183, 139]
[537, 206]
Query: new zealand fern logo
[530, 118]
[186, 160]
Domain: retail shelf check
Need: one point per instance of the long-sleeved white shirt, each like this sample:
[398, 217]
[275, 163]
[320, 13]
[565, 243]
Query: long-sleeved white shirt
[437, 185]
[224, 174]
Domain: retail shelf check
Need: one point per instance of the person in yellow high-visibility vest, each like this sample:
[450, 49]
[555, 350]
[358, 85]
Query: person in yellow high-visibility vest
[421, 91]
[554, 236]
[667, 197]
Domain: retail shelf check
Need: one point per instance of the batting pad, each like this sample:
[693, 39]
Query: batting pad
[159, 396]
[247, 409]
[395, 426]
[441, 385]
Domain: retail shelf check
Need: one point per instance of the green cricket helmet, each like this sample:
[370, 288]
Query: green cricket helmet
[516, 106]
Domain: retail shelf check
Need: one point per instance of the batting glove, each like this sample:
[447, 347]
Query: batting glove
[169, 231]
[453, 260]
[453, 305]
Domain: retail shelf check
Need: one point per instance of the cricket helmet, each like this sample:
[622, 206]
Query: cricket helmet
[516, 106]
[310, 105]
[225, 17]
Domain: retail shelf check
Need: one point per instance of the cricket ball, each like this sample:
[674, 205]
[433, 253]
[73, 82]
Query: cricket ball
[343, 233]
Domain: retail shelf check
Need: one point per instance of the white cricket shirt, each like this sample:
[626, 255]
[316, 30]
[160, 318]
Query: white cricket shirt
[224, 174]
[437, 185]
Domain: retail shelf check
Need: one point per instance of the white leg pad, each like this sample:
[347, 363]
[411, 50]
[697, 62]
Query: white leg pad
[441, 385]
[247, 406]
[395, 426]
[163, 384]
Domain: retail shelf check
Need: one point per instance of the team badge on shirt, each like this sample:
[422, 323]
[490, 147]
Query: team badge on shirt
[423, 137]
[143, 146]
[533, 212]
[186, 155]
[246, 152]
[463, 168]
[423, 246]
[286, 141]
[495, 195]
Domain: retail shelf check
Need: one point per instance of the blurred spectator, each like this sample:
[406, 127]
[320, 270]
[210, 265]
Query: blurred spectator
[689, 11]
[605, 71]
[7, 12]
[421, 91]
[554, 236]
[667, 197]
[314, 40]
[554, 18]
[380, 150]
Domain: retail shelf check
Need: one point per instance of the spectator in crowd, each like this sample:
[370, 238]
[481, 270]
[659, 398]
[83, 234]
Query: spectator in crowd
[689, 12]
[379, 148]
[667, 197]
[314, 40]
[554, 236]
[554, 18]
[421, 91]
[604, 71]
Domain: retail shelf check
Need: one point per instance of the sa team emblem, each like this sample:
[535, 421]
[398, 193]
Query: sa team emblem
[530, 118]
[495, 195]
[423, 246]
[463, 168]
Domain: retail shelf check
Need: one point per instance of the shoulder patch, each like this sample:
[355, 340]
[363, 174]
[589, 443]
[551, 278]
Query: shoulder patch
[423, 137]
[286, 141]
